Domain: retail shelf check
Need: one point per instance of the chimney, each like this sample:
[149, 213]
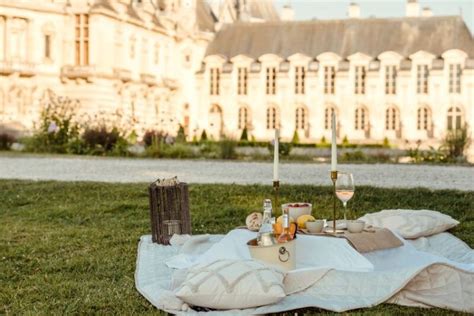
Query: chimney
[287, 13]
[353, 11]
[426, 12]
[412, 8]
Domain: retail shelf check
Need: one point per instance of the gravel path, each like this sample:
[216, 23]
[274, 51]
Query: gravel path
[196, 171]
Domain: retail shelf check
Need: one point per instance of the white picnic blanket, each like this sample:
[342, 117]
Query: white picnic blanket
[319, 252]
[434, 271]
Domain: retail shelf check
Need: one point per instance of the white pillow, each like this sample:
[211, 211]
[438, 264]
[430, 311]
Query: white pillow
[229, 284]
[411, 224]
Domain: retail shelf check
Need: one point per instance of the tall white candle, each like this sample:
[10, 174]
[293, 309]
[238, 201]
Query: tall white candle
[276, 155]
[333, 144]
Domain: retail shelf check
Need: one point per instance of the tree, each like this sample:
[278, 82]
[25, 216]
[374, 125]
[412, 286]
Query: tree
[296, 138]
[203, 136]
[181, 136]
[244, 136]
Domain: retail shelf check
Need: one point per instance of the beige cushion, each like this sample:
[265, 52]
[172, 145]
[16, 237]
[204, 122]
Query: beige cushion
[411, 224]
[229, 284]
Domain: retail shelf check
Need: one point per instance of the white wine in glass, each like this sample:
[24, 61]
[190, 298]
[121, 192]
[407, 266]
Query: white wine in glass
[344, 189]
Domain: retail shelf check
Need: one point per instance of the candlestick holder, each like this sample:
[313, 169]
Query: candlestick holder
[276, 192]
[334, 179]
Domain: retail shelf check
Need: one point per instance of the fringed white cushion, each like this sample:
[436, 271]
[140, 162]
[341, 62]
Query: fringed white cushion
[232, 284]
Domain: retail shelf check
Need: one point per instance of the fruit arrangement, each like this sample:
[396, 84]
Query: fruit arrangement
[254, 220]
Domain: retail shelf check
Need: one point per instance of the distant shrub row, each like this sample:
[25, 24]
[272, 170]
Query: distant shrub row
[59, 132]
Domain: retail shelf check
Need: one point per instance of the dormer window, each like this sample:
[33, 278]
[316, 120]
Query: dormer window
[455, 78]
[300, 74]
[359, 82]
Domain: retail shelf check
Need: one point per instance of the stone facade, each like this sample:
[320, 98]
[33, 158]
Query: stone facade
[118, 58]
[234, 64]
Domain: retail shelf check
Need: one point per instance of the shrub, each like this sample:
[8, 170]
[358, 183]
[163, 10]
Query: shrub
[151, 137]
[244, 136]
[354, 156]
[433, 155]
[386, 143]
[6, 140]
[58, 127]
[296, 138]
[284, 149]
[456, 142]
[176, 151]
[203, 136]
[209, 150]
[227, 149]
[101, 140]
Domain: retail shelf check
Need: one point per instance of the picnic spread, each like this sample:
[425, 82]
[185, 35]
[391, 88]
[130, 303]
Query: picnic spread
[277, 263]
[435, 271]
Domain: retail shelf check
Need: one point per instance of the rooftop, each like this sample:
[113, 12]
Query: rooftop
[344, 37]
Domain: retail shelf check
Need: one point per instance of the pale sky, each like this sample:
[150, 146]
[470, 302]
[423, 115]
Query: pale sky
[337, 9]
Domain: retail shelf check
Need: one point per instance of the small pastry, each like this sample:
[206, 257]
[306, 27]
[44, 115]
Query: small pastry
[254, 221]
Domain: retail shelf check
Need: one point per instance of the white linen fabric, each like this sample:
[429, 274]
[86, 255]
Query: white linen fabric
[411, 224]
[227, 284]
[319, 252]
[406, 275]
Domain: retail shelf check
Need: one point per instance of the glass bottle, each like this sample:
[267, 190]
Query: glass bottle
[266, 227]
[285, 236]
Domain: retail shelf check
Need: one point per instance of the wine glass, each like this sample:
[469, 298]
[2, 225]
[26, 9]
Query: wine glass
[344, 189]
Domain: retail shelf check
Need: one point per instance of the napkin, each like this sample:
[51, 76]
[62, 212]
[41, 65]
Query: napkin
[379, 239]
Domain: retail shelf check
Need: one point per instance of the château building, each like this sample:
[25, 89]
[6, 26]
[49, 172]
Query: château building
[225, 65]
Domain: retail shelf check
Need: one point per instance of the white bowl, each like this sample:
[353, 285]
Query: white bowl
[315, 227]
[355, 226]
[297, 211]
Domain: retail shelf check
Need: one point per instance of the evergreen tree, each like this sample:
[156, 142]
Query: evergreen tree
[181, 136]
[296, 138]
[204, 136]
[244, 136]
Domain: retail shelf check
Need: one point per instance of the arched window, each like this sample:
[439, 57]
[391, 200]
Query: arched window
[360, 121]
[392, 119]
[272, 118]
[454, 118]
[300, 118]
[328, 117]
[243, 117]
[423, 121]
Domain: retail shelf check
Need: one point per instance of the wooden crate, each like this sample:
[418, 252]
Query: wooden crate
[168, 202]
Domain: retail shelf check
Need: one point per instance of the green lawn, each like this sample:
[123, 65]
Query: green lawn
[71, 247]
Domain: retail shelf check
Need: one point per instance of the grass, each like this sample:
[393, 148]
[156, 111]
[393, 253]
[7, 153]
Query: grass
[70, 248]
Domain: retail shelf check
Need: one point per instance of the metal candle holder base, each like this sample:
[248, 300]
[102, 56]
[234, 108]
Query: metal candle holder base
[333, 178]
